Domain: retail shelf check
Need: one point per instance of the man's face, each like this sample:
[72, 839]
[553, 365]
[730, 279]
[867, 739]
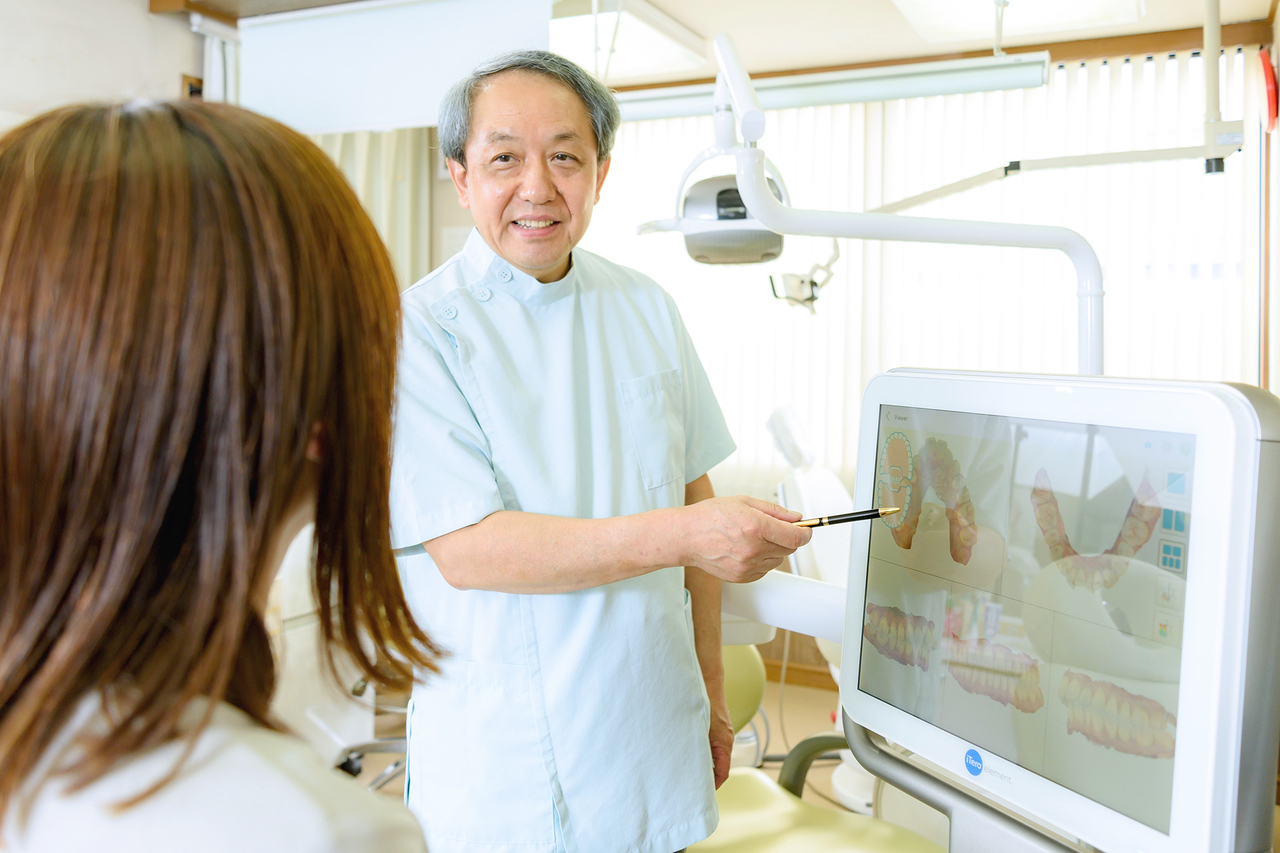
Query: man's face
[531, 178]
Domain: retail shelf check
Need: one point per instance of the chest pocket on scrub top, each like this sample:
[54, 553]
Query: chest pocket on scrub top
[654, 408]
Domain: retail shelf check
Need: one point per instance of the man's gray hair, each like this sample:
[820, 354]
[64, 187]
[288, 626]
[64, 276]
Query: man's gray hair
[454, 125]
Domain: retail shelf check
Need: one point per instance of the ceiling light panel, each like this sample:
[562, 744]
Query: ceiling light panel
[649, 43]
[966, 20]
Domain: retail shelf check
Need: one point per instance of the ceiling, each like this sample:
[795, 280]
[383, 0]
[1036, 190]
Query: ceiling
[804, 34]
[824, 33]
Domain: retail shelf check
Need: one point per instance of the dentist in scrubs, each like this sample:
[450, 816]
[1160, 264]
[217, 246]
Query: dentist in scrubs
[559, 535]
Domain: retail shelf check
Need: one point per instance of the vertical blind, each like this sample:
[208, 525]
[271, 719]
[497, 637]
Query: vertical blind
[391, 173]
[1179, 248]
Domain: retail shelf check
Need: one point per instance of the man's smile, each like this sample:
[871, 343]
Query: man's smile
[535, 224]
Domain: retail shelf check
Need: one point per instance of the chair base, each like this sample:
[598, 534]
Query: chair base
[758, 816]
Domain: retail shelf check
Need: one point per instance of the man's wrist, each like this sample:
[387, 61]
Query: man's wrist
[713, 678]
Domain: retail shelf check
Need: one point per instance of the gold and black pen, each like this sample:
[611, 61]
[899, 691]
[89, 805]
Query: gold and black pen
[860, 515]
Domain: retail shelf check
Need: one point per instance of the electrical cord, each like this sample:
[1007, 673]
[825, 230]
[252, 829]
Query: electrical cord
[782, 686]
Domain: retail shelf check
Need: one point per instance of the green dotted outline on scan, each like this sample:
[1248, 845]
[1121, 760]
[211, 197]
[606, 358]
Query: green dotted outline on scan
[882, 478]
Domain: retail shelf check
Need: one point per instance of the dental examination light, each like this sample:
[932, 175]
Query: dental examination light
[717, 227]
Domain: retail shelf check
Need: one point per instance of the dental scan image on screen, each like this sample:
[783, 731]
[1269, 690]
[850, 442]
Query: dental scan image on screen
[1029, 597]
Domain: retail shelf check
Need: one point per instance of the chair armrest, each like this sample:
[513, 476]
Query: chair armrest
[800, 758]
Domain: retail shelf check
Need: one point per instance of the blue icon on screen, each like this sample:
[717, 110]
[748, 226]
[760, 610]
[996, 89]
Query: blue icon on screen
[973, 762]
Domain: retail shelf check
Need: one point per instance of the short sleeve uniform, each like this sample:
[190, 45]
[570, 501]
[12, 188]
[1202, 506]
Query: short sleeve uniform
[566, 722]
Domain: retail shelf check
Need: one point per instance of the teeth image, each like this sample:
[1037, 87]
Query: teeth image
[1073, 686]
[1134, 531]
[1164, 744]
[1142, 727]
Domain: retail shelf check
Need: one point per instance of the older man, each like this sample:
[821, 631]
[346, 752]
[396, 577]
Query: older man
[554, 431]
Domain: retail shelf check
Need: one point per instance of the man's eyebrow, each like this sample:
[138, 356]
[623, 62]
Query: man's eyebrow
[496, 137]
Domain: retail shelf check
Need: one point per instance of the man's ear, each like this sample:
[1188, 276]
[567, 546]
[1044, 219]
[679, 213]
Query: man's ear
[459, 174]
[601, 173]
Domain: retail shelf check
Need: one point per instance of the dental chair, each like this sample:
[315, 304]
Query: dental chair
[759, 815]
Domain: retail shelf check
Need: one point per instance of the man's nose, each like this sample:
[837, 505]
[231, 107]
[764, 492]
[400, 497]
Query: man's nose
[537, 185]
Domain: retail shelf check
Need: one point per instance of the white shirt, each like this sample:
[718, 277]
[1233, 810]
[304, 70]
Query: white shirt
[575, 721]
[244, 789]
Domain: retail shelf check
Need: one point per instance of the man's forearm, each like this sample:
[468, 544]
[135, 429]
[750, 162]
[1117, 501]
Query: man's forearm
[524, 552]
[704, 598]
[735, 539]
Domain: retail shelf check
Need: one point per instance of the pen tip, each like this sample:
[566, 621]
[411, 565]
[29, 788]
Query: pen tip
[890, 510]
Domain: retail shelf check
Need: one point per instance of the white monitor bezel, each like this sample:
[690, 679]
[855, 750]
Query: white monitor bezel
[1226, 431]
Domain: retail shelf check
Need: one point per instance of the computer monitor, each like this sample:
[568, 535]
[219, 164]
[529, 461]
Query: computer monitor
[1074, 616]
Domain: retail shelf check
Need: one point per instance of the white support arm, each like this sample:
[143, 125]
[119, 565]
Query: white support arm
[773, 215]
[745, 104]
[790, 602]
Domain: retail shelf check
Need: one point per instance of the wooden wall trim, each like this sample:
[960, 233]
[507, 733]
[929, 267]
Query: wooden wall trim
[1145, 44]
[804, 674]
[192, 6]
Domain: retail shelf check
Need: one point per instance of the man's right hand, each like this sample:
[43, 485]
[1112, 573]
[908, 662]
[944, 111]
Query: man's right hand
[740, 539]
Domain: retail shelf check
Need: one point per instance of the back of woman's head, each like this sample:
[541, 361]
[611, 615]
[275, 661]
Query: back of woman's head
[186, 291]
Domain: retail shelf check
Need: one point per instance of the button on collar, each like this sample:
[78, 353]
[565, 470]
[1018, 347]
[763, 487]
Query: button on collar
[449, 312]
[483, 294]
[502, 274]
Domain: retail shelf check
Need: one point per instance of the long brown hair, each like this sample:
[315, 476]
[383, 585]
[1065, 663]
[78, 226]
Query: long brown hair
[185, 290]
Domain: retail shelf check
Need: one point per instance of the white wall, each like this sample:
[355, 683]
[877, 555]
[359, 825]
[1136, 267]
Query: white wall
[55, 52]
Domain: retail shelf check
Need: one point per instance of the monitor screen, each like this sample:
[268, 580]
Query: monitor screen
[1029, 597]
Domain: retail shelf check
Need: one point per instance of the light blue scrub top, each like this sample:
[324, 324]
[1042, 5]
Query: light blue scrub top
[575, 721]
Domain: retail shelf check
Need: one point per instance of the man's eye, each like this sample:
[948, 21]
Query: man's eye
[503, 158]
[563, 158]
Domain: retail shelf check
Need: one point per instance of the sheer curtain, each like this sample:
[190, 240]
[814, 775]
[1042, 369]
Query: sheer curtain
[1179, 249]
[221, 80]
[391, 173]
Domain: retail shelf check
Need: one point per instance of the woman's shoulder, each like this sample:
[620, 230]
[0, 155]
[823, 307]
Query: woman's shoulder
[243, 788]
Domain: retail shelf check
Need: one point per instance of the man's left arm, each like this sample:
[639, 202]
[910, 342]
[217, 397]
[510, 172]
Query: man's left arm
[704, 597]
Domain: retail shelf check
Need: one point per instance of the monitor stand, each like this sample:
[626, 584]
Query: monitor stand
[976, 827]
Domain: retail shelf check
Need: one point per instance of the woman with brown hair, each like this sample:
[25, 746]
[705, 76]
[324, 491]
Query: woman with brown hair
[198, 332]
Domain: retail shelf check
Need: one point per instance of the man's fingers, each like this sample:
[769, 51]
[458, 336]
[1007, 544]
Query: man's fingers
[785, 535]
